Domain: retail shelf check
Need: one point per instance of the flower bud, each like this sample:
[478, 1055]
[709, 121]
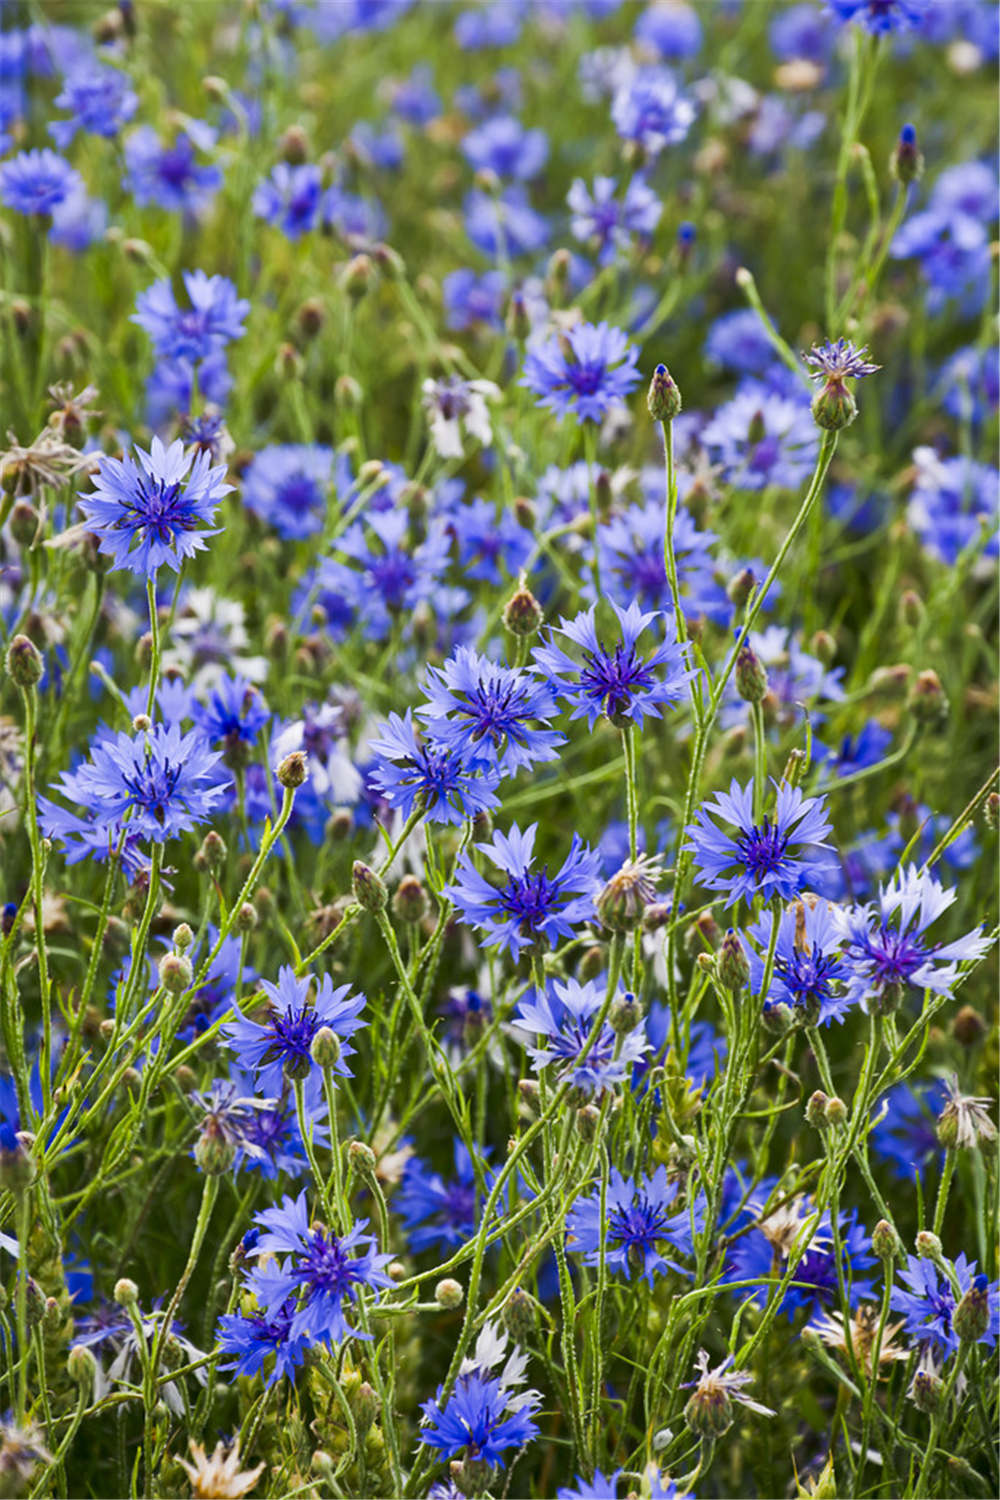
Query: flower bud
[557, 275]
[816, 1109]
[362, 1158]
[885, 1241]
[292, 771]
[656, 916]
[907, 162]
[991, 811]
[17, 1165]
[339, 825]
[81, 1366]
[928, 701]
[625, 1014]
[246, 917]
[928, 1245]
[588, 1119]
[968, 1026]
[518, 1315]
[794, 767]
[836, 1112]
[214, 1150]
[740, 588]
[213, 851]
[823, 645]
[522, 614]
[833, 406]
[449, 1293]
[926, 1392]
[183, 937]
[528, 1090]
[126, 1293]
[347, 393]
[325, 1048]
[664, 398]
[293, 146]
[356, 277]
[591, 964]
[778, 1019]
[23, 523]
[731, 965]
[751, 675]
[369, 888]
[409, 903]
[24, 661]
[971, 1317]
[518, 323]
[912, 610]
[176, 973]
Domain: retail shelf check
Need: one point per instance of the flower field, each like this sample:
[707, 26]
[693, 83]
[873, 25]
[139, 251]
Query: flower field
[498, 749]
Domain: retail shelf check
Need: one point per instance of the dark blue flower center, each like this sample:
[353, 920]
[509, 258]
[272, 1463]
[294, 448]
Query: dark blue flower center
[159, 509]
[299, 494]
[569, 1042]
[529, 899]
[639, 1225]
[895, 955]
[762, 849]
[808, 976]
[293, 1031]
[493, 710]
[614, 678]
[586, 377]
[325, 1268]
[394, 575]
[152, 787]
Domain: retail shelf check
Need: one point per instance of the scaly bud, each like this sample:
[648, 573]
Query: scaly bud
[369, 888]
[664, 398]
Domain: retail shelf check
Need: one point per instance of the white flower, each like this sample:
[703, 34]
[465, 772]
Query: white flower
[454, 406]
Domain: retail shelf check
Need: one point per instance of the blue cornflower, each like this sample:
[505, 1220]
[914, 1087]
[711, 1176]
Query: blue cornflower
[491, 25]
[706, 1049]
[642, 1213]
[866, 748]
[290, 198]
[630, 554]
[482, 709]
[905, 1129]
[169, 176]
[618, 682]
[324, 1271]
[414, 98]
[531, 906]
[969, 384]
[878, 16]
[562, 1018]
[795, 680]
[504, 224]
[808, 970]
[252, 1338]
[759, 1254]
[100, 100]
[234, 714]
[490, 547]
[37, 182]
[762, 439]
[587, 370]
[611, 223]
[503, 146]
[673, 31]
[600, 1487]
[214, 318]
[773, 858]
[839, 359]
[886, 951]
[172, 383]
[449, 785]
[738, 341]
[387, 574]
[485, 1413]
[163, 782]
[149, 513]
[930, 1302]
[650, 109]
[800, 31]
[439, 1212]
[287, 486]
[471, 298]
[279, 1046]
[360, 222]
[954, 503]
[270, 1140]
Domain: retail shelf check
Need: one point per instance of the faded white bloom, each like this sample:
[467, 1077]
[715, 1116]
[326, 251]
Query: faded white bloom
[457, 409]
[219, 1475]
[863, 1329]
[964, 1121]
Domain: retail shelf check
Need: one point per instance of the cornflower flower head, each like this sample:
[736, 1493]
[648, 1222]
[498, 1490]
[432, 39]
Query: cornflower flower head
[530, 906]
[440, 1212]
[738, 341]
[489, 546]
[99, 99]
[886, 950]
[321, 734]
[600, 1487]
[214, 318]
[630, 555]
[37, 182]
[880, 17]
[503, 146]
[153, 513]
[562, 1019]
[762, 439]
[457, 408]
[953, 505]
[774, 858]
[234, 714]
[225, 1123]
[447, 782]
[478, 707]
[928, 1303]
[965, 1120]
[709, 1410]
[291, 198]
[252, 1338]
[279, 1046]
[641, 1214]
[287, 487]
[839, 359]
[757, 1254]
[21, 1452]
[903, 1133]
[808, 970]
[504, 224]
[618, 682]
[862, 1331]
[323, 1271]
[485, 1413]
[154, 785]
[662, 1487]
[471, 298]
[650, 110]
[387, 575]
[587, 370]
[170, 176]
[610, 223]
[219, 1474]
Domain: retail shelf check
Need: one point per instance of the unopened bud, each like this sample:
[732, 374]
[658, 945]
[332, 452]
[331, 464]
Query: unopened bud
[824, 646]
[625, 1014]
[656, 916]
[927, 699]
[369, 888]
[991, 811]
[926, 1391]
[907, 162]
[176, 973]
[325, 1048]
[885, 1241]
[518, 322]
[528, 1090]
[449, 1293]
[214, 1150]
[834, 406]
[740, 587]
[591, 964]
[522, 614]
[751, 675]
[816, 1109]
[293, 146]
[663, 399]
[588, 1118]
[971, 1317]
[347, 393]
[518, 1315]
[213, 851]
[836, 1112]
[356, 276]
[409, 903]
[183, 937]
[912, 609]
[732, 965]
[24, 661]
[968, 1026]
[24, 523]
[245, 918]
[292, 771]
[928, 1245]
[709, 1412]
[126, 1293]
[81, 1366]
[362, 1158]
